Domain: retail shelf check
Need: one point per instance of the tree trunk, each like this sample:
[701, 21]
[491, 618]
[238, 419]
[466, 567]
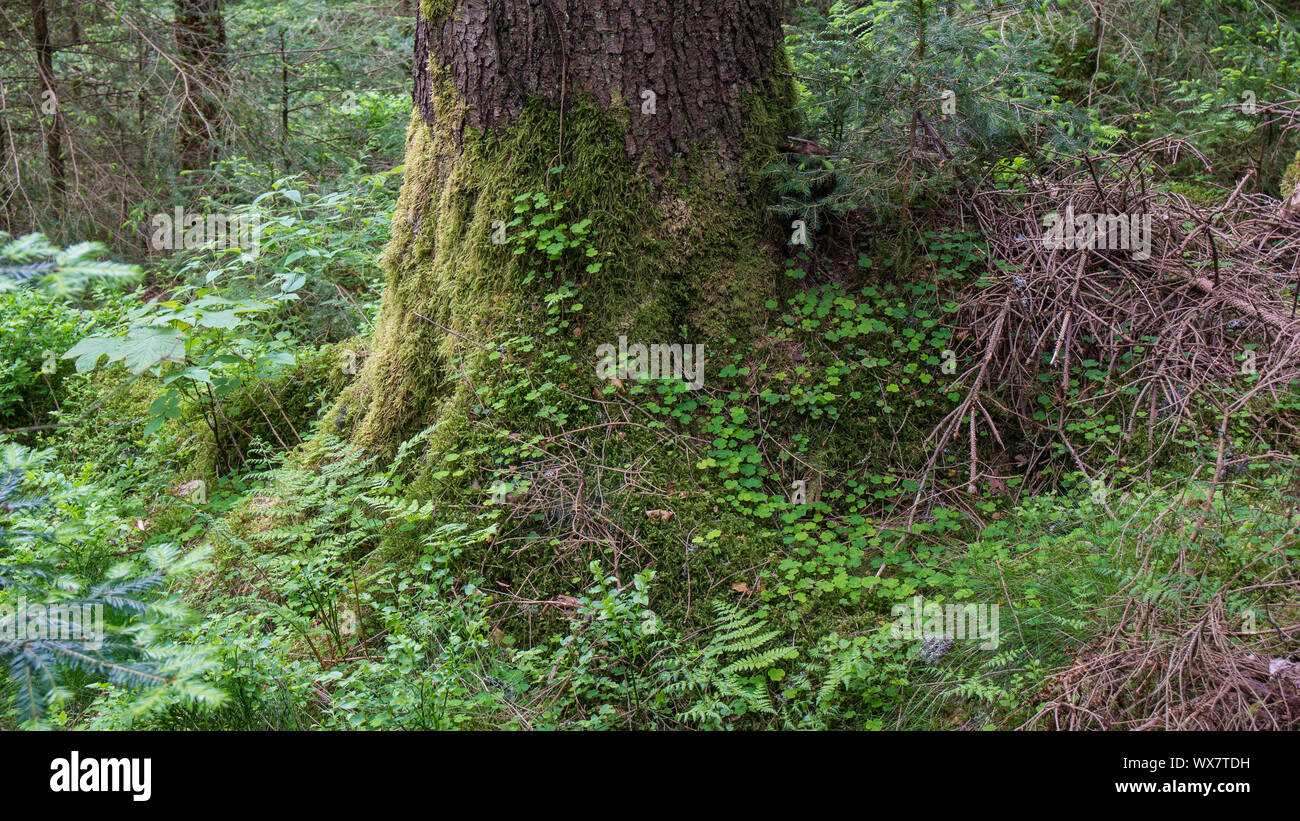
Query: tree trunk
[688, 61]
[49, 102]
[662, 113]
[201, 43]
[8, 178]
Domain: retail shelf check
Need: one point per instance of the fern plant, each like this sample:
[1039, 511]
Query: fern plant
[729, 676]
[57, 633]
[31, 260]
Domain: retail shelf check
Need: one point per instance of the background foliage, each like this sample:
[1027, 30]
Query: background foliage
[523, 565]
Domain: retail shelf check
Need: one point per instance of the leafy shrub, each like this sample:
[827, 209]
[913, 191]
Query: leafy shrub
[36, 323]
[34, 333]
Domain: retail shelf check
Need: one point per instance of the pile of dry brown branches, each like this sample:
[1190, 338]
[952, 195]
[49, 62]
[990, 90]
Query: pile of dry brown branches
[1106, 295]
[1201, 673]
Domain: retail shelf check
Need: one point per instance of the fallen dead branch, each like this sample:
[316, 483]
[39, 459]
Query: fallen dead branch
[1149, 308]
[1198, 674]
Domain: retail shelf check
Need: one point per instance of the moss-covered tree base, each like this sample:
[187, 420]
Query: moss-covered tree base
[688, 259]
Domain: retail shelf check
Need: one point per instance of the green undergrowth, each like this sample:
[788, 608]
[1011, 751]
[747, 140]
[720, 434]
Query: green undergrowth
[570, 551]
[453, 519]
[317, 626]
[108, 413]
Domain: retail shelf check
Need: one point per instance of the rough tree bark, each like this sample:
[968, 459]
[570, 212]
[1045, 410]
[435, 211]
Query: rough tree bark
[692, 60]
[201, 43]
[663, 114]
[54, 136]
[8, 178]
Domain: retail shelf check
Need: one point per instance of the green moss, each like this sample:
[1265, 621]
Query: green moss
[689, 259]
[279, 411]
[114, 398]
[694, 255]
[433, 11]
[1291, 179]
[1073, 62]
